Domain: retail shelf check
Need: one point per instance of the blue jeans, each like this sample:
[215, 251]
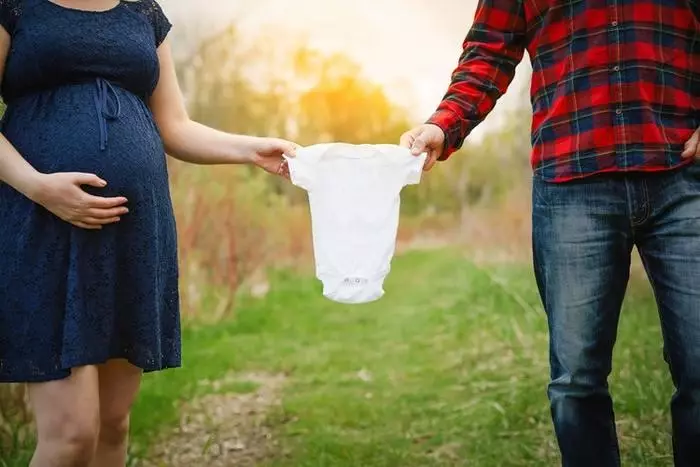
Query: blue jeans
[583, 235]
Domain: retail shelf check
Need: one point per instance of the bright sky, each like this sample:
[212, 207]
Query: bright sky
[409, 46]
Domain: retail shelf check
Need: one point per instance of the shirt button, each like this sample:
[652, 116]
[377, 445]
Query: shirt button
[618, 111]
[614, 23]
[616, 68]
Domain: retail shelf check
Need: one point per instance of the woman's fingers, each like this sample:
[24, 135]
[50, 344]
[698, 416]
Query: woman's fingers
[283, 169]
[101, 213]
[289, 148]
[104, 203]
[93, 223]
[96, 217]
[87, 179]
[99, 220]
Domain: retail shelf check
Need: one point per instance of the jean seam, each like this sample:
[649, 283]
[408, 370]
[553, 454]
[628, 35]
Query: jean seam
[646, 205]
[655, 291]
[537, 192]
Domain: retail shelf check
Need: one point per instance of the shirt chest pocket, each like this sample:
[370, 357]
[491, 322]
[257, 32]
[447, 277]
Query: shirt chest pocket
[563, 16]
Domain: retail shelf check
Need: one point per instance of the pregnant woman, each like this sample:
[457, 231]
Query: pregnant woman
[88, 260]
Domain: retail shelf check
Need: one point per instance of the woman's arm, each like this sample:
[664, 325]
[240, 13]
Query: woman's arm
[193, 142]
[60, 193]
[14, 170]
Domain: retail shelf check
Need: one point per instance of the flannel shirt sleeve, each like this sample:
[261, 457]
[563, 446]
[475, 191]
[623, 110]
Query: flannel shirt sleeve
[494, 46]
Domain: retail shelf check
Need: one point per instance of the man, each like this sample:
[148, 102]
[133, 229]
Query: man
[615, 95]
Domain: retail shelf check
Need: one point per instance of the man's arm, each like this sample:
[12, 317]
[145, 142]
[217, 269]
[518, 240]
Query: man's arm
[492, 49]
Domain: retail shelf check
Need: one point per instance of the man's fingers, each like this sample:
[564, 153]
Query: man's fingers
[692, 146]
[105, 203]
[419, 145]
[430, 160]
[406, 140]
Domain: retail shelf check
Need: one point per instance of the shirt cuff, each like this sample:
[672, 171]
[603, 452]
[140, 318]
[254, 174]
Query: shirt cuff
[455, 129]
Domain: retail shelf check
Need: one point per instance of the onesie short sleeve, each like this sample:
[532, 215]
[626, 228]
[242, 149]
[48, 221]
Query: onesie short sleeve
[414, 169]
[302, 167]
[9, 14]
[155, 15]
[406, 169]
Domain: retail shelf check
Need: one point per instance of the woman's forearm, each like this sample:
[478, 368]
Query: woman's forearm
[193, 142]
[16, 171]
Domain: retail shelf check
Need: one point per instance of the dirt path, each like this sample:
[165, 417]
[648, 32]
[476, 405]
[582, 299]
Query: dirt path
[223, 430]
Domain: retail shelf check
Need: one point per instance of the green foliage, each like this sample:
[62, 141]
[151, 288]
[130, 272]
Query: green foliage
[438, 373]
[447, 372]
[301, 94]
[15, 430]
[481, 173]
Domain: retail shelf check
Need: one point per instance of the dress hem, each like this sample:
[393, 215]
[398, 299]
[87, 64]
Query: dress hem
[65, 371]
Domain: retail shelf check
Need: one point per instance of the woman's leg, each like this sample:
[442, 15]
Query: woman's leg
[119, 383]
[68, 419]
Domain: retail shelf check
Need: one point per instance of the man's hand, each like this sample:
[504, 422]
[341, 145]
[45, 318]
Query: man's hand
[425, 138]
[692, 146]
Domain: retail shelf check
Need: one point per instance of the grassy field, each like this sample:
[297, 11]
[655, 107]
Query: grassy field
[449, 369]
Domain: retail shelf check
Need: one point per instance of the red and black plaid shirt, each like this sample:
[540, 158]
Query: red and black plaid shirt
[615, 84]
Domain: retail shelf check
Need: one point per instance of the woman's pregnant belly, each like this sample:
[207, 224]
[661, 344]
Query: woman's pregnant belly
[94, 128]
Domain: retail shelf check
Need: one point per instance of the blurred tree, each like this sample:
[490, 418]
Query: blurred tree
[290, 91]
[221, 95]
[293, 92]
[340, 105]
[481, 173]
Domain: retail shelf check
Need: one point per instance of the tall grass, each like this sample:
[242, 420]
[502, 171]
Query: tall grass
[232, 223]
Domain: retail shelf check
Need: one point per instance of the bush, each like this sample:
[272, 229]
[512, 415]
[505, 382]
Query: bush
[15, 422]
[232, 224]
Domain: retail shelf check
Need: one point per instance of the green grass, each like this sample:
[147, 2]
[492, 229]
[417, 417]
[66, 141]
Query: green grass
[458, 364]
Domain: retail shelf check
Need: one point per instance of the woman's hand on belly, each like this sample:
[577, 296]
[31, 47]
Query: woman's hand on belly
[62, 194]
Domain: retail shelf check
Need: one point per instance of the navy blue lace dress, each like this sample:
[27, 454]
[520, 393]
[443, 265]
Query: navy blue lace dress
[76, 85]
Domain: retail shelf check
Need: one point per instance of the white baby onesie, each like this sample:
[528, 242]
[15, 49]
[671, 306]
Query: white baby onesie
[354, 200]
